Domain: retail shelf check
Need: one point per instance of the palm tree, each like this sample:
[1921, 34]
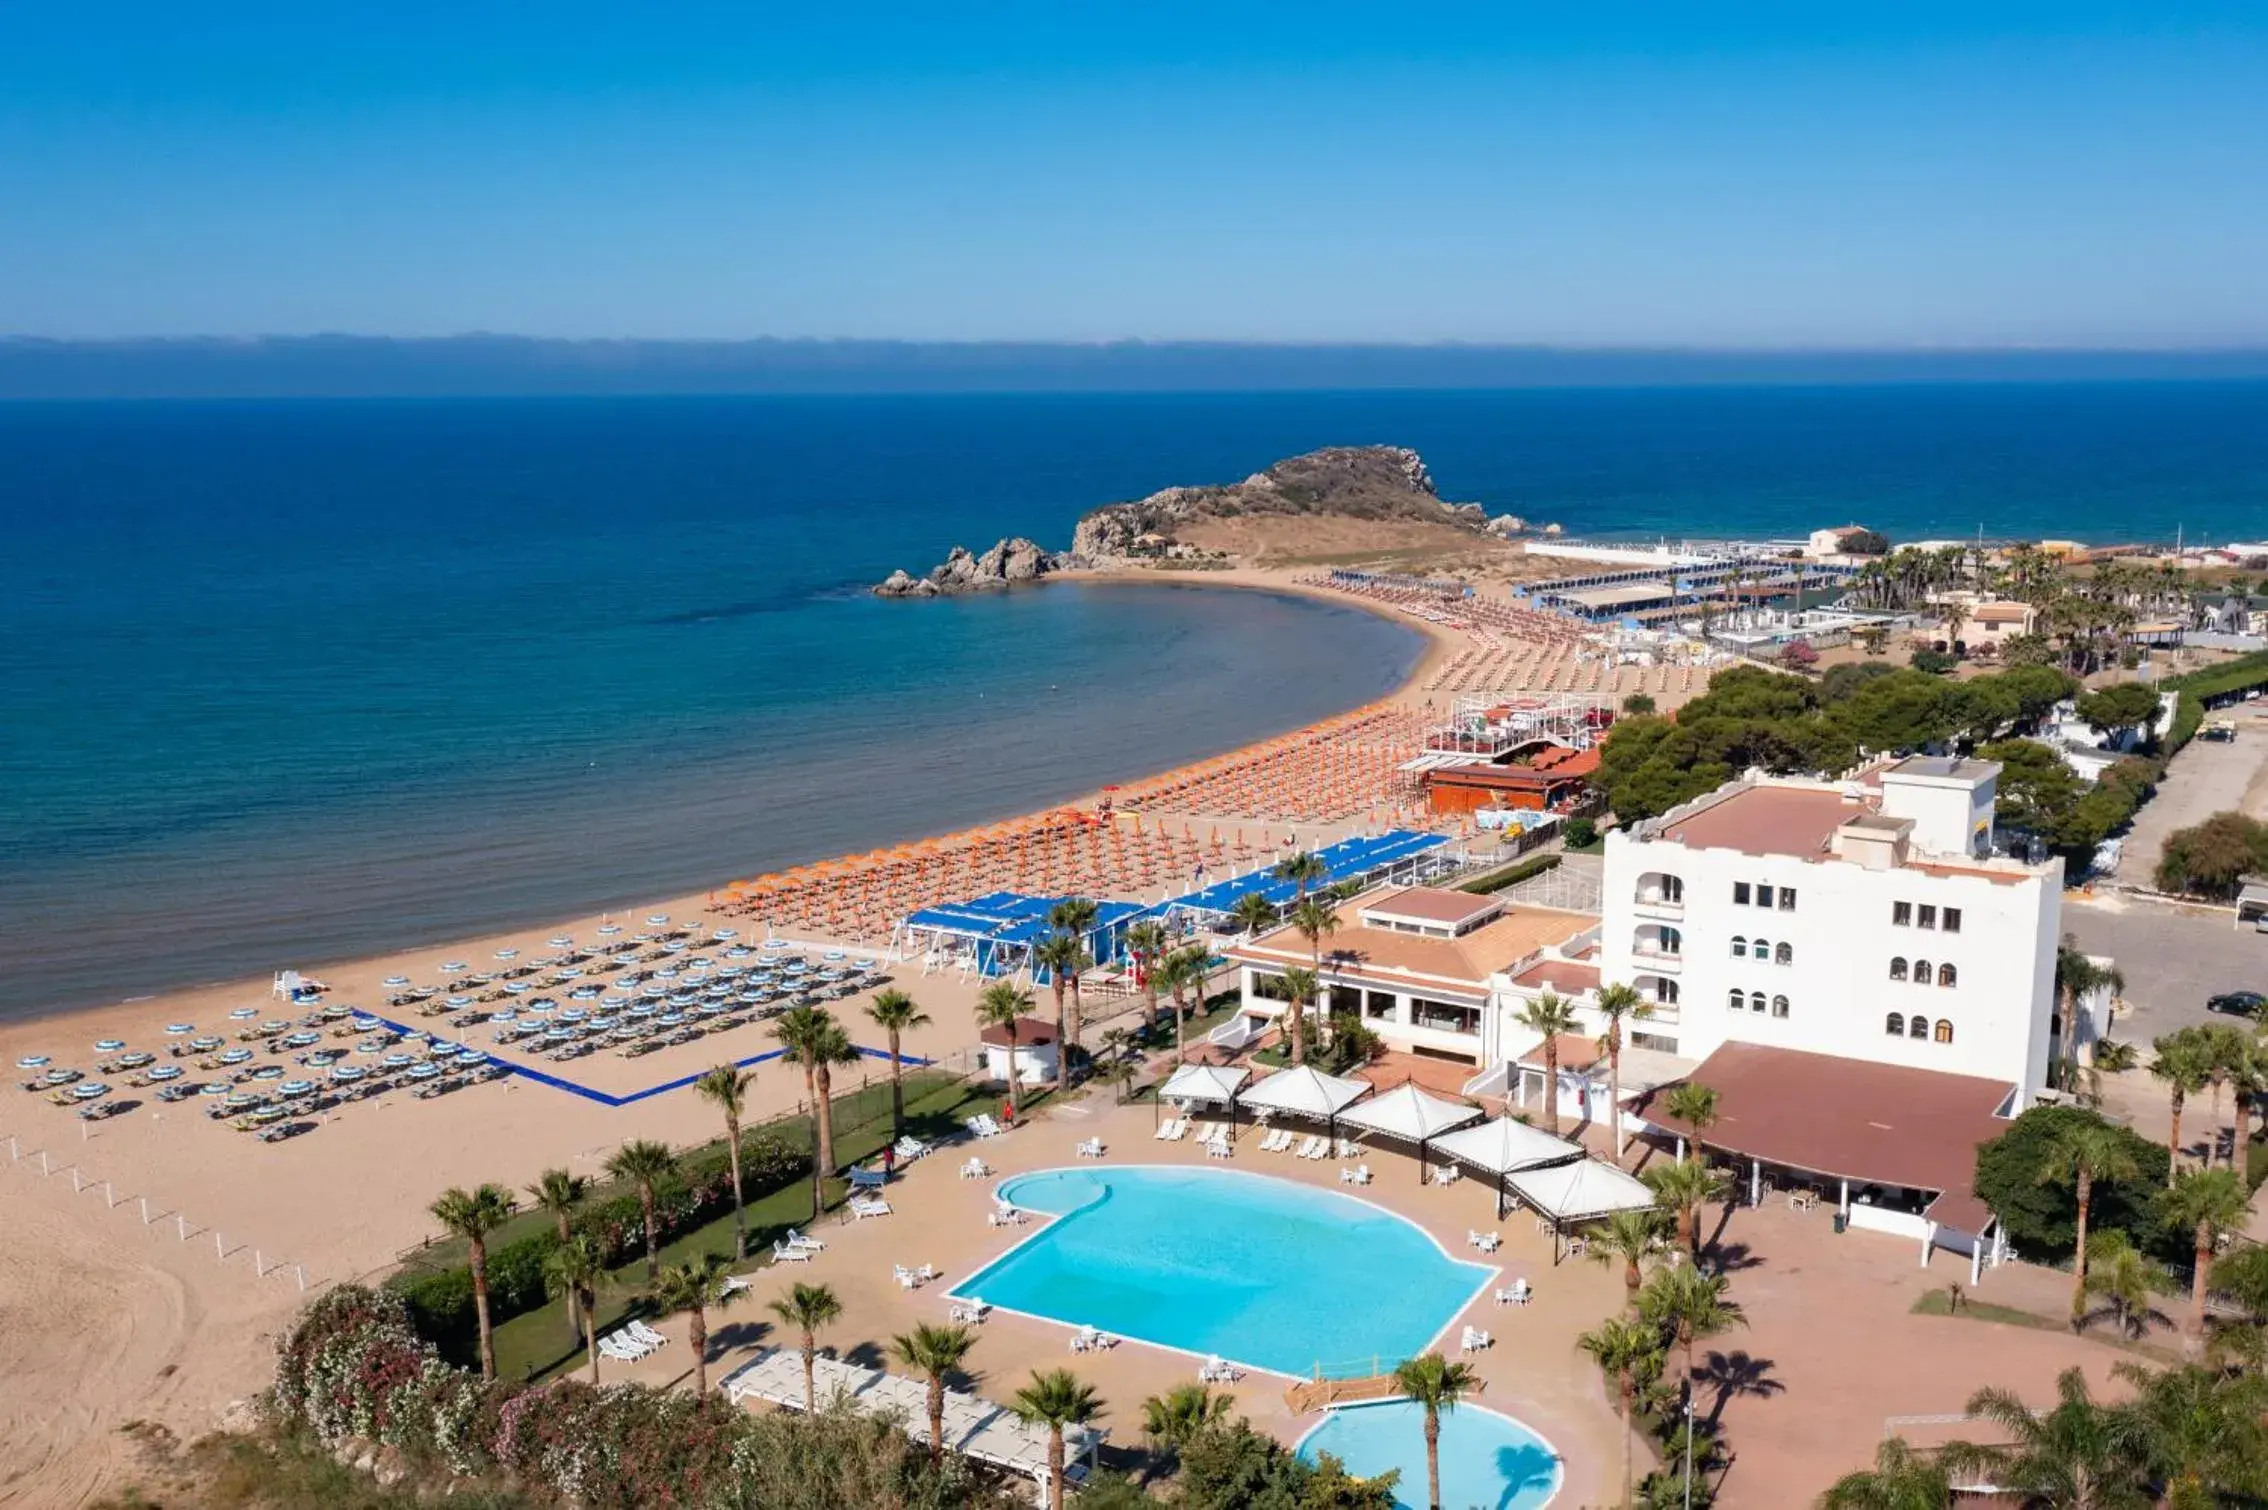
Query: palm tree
[577, 1267]
[1184, 972]
[816, 1041]
[1073, 918]
[2081, 1152]
[1694, 1104]
[1252, 912]
[2080, 1454]
[562, 1194]
[727, 1087]
[696, 1289]
[1625, 1351]
[1316, 921]
[1685, 1189]
[807, 1308]
[895, 1013]
[645, 1163]
[1174, 1419]
[936, 1351]
[2077, 978]
[1627, 1238]
[1435, 1385]
[1001, 1005]
[2203, 1432]
[1062, 957]
[2211, 1203]
[1690, 1304]
[2108, 1058]
[2181, 1060]
[472, 1215]
[1057, 1400]
[1900, 1479]
[2126, 1278]
[1615, 1004]
[2238, 1056]
[1303, 870]
[1147, 941]
[1551, 1015]
[1299, 987]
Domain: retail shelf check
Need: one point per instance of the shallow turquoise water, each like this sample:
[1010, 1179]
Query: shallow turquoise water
[1262, 1271]
[1488, 1461]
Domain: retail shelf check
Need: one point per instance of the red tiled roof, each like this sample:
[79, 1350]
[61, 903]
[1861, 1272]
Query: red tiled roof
[1031, 1032]
[1566, 976]
[1432, 904]
[1854, 1119]
[1767, 820]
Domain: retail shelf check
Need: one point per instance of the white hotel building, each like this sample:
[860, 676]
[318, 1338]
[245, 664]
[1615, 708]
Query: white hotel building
[1863, 920]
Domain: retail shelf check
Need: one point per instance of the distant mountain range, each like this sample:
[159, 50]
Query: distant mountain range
[492, 365]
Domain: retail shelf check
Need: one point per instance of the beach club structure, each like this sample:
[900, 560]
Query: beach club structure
[995, 934]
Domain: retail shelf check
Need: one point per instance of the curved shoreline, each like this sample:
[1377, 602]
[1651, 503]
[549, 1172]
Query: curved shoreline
[494, 936]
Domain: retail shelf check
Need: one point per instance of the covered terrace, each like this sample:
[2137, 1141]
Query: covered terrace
[1895, 1148]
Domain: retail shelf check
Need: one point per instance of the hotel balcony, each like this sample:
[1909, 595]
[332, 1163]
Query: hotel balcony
[1658, 960]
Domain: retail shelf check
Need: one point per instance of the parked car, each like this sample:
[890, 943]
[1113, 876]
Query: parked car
[2236, 1003]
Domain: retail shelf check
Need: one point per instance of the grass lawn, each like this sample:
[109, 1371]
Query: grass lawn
[1935, 1303]
[537, 1343]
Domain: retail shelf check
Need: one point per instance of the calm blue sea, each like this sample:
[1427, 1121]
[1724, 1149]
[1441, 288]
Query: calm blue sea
[282, 682]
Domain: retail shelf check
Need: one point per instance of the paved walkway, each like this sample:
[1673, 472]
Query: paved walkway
[2207, 777]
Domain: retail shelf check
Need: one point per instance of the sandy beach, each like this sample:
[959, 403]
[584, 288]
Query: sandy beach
[206, 1236]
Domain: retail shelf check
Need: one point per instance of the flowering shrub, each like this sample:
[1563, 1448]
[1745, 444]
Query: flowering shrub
[354, 1367]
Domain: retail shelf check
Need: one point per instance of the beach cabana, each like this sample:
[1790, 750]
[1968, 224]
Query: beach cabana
[1582, 1190]
[1409, 1115]
[1304, 1092]
[1204, 1085]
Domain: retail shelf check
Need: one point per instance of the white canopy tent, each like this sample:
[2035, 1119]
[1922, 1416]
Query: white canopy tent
[1506, 1145]
[1410, 1115]
[1583, 1190]
[1203, 1084]
[1305, 1091]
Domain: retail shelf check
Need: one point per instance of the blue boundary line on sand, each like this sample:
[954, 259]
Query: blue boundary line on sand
[545, 1077]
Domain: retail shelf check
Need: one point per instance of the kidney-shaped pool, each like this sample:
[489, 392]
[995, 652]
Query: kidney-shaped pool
[1277, 1275]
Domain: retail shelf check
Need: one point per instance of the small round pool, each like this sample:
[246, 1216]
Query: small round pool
[1488, 1460]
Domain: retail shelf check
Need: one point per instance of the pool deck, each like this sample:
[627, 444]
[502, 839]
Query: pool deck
[1535, 1372]
[1831, 1350]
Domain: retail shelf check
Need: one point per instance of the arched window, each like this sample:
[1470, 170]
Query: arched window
[1945, 1030]
[1945, 975]
[1673, 889]
[1665, 992]
[1737, 1001]
[1783, 954]
[1895, 1024]
[1672, 941]
[1761, 949]
[1922, 976]
[1918, 1028]
[1779, 1006]
[1739, 947]
[1897, 968]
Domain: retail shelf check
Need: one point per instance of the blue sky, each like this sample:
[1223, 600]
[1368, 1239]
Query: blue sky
[1785, 175]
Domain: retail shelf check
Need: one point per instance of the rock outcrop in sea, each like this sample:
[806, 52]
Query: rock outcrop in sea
[1008, 563]
[1380, 483]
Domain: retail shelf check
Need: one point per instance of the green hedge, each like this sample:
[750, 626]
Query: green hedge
[1511, 875]
[2240, 675]
[440, 1301]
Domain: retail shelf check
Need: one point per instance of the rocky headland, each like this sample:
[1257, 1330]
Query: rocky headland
[1388, 485]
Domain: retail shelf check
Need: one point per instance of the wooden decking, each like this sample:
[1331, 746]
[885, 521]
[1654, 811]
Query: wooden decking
[1315, 1394]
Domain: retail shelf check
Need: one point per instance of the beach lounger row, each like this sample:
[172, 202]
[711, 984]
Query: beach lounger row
[982, 1126]
[635, 1340]
[1172, 1131]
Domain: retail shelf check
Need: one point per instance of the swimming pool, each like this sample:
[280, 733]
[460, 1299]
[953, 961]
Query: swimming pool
[1488, 1461]
[1277, 1275]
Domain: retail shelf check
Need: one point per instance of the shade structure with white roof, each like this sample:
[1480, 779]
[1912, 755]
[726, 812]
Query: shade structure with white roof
[1505, 1145]
[1410, 1116]
[1305, 1091]
[1209, 1083]
[1582, 1190]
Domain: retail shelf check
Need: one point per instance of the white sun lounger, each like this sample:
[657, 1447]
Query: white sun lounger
[863, 1206]
[646, 1334]
[797, 1239]
[788, 1253]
